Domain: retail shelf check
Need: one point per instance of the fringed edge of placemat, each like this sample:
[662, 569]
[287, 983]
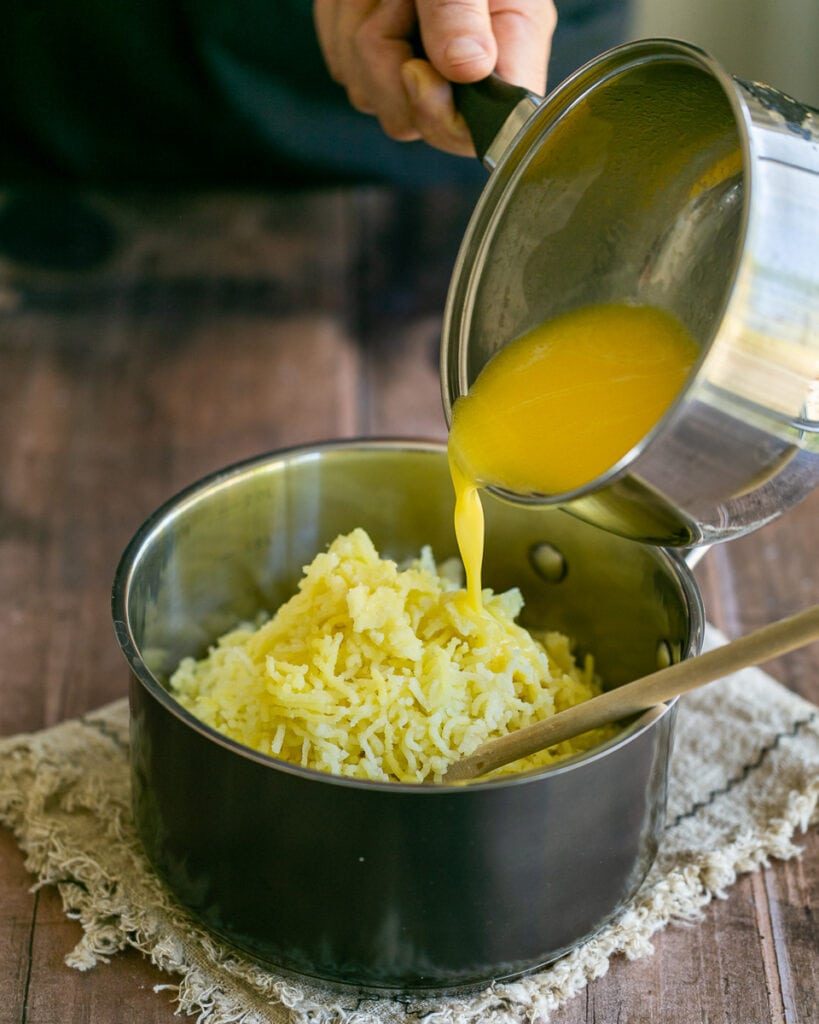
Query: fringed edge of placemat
[111, 921]
[680, 896]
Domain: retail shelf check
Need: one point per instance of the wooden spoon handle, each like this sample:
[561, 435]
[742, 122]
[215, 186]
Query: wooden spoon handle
[613, 705]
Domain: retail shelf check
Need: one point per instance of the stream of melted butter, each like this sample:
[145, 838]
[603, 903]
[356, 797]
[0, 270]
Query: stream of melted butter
[557, 407]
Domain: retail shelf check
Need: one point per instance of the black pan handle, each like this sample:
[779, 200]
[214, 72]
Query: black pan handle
[485, 107]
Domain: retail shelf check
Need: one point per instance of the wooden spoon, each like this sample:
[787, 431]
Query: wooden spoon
[631, 698]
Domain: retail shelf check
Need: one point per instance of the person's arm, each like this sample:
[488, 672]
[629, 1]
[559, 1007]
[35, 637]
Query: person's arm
[368, 49]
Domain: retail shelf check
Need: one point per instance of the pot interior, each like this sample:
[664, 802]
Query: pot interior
[236, 543]
[628, 184]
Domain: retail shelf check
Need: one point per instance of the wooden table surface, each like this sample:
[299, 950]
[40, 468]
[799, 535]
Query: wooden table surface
[146, 341]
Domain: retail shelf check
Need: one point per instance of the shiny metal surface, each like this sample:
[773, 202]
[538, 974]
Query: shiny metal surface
[653, 176]
[520, 114]
[378, 886]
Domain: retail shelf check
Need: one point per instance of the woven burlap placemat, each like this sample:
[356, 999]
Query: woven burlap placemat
[744, 780]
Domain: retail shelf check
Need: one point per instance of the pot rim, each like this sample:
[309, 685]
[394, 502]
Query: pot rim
[592, 75]
[196, 491]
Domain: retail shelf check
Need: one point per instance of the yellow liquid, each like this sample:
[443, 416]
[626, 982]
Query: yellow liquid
[557, 407]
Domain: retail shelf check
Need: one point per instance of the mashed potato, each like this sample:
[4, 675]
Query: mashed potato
[377, 672]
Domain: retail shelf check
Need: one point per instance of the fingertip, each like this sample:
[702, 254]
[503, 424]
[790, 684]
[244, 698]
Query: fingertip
[458, 38]
[433, 109]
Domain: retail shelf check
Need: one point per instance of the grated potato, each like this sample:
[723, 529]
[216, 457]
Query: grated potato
[377, 672]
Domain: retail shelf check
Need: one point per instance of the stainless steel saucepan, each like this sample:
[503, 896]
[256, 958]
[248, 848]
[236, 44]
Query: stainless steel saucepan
[651, 175]
[380, 886]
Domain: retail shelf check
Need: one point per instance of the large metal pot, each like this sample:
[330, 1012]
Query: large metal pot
[651, 175]
[380, 886]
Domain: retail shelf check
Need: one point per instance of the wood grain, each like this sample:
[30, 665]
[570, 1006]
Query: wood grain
[218, 327]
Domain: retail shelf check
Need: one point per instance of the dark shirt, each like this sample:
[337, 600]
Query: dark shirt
[211, 93]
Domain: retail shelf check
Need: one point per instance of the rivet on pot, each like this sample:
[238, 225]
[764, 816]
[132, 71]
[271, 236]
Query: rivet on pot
[548, 562]
[667, 654]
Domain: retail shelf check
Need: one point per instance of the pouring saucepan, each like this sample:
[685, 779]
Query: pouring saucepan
[653, 176]
[388, 887]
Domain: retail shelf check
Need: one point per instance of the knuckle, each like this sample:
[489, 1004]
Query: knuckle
[359, 99]
[397, 127]
[335, 71]
[398, 133]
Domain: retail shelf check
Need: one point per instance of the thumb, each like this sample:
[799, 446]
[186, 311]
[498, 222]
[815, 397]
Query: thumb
[457, 37]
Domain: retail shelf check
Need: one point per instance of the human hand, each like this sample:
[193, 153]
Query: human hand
[368, 49]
